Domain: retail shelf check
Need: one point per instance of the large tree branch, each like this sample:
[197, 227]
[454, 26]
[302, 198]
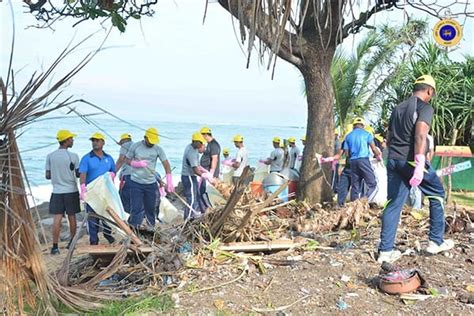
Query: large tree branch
[355, 25]
[267, 28]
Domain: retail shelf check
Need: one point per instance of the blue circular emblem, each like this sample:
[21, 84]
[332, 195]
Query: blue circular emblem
[447, 32]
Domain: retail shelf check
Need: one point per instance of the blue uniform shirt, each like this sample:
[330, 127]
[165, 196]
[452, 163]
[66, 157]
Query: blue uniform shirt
[94, 166]
[357, 143]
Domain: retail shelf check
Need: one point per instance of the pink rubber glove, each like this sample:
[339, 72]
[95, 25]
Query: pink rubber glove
[417, 177]
[334, 164]
[228, 162]
[327, 159]
[202, 169]
[169, 183]
[208, 176]
[299, 158]
[379, 158]
[112, 175]
[162, 191]
[82, 195]
[262, 161]
[139, 163]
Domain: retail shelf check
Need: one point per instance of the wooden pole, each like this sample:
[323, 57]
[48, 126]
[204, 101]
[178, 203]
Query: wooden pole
[449, 161]
[124, 226]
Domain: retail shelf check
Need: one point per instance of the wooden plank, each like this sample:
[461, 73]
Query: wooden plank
[104, 250]
[259, 246]
[453, 151]
[123, 226]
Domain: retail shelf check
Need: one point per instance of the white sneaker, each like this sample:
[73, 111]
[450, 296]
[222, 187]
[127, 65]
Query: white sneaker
[434, 248]
[389, 256]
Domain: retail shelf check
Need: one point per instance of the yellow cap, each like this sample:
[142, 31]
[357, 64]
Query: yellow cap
[97, 136]
[358, 120]
[152, 135]
[125, 136]
[205, 130]
[337, 130]
[276, 139]
[197, 137]
[370, 129]
[64, 134]
[426, 79]
[379, 137]
[238, 138]
[303, 138]
[226, 151]
[292, 140]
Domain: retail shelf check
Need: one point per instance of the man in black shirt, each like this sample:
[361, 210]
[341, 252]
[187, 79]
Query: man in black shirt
[407, 133]
[210, 161]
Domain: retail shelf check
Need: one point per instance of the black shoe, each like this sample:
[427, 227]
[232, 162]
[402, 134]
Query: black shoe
[110, 239]
[55, 251]
[69, 244]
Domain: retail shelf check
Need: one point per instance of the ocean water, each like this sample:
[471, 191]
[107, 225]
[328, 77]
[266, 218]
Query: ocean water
[39, 138]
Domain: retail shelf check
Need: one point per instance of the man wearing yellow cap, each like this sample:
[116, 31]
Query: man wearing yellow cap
[356, 146]
[276, 158]
[407, 167]
[62, 169]
[125, 171]
[294, 153]
[190, 170]
[210, 160]
[241, 158]
[142, 157]
[93, 165]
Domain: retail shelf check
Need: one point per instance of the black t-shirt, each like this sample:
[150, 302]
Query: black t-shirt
[401, 130]
[213, 148]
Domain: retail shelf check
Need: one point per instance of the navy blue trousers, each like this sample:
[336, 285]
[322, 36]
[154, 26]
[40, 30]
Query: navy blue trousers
[143, 203]
[343, 186]
[398, 174]
[362, 170]
[126, 194]
[192, 195]
[93, 227]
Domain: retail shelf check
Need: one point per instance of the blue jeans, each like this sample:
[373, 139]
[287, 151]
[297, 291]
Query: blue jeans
[192, 195]
[126, 194]
[343, 186]
[362, 170]
[93, 226]
[398, 174]
[143, 203]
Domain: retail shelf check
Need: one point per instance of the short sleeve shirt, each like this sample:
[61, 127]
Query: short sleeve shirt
[212, 148]
[357, 143]
[59, 163]
[401, 130]
[94, 166]
[294, 153]
[277, 157]
[140, 151]
[241, 157]
[190, 161]
[126, 169]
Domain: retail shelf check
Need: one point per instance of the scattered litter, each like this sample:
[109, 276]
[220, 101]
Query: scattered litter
[345, 278]
[470, 288]
[341, 304]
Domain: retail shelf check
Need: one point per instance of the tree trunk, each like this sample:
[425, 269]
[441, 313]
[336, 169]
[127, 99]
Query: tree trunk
[315, 182]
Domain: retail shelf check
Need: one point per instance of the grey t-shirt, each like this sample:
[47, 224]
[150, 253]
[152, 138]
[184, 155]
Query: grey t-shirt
[294, 153]
[190, 160]
[140, 151]
[126, 169]
[242, 157]
[277, 156]
[212, 148]
[64, 179]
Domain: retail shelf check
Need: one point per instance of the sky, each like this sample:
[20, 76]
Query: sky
[171, 67]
